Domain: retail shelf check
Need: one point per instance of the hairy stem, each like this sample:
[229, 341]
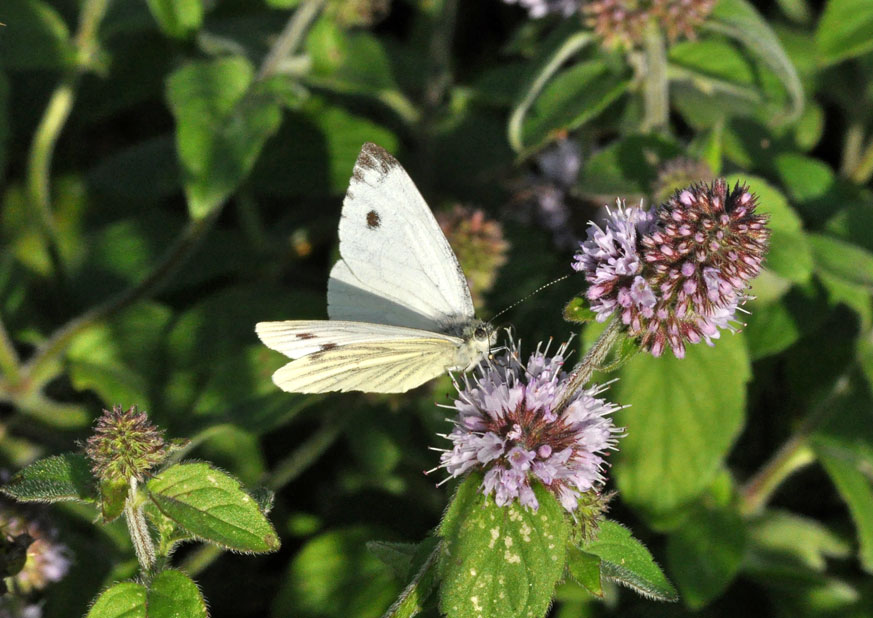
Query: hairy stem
[593, 360]
[291, 37]
[793, 455]
[51, 124]
[655, 85]
[139, 530]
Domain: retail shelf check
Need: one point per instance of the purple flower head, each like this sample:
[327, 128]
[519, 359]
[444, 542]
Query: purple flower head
[675, 274]
[612, 263]
[518, 436]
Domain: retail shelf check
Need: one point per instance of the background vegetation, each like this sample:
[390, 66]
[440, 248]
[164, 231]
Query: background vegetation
[173, 172]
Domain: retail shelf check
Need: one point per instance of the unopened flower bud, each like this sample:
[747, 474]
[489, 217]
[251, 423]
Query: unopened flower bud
[124, 445]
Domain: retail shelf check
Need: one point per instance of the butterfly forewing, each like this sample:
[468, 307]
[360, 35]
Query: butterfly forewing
[396, 265]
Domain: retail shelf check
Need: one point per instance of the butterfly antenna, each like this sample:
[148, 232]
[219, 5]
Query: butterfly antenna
[521, 300]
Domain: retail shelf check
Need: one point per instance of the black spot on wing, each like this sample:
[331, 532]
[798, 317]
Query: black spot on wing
[327, 346]
[373, 220]
[305, 336]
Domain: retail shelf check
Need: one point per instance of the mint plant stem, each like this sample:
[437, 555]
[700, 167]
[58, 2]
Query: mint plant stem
[139, 531]
[593, 359]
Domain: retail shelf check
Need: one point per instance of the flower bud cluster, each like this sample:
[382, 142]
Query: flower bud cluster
[125, 445]
[622, 23]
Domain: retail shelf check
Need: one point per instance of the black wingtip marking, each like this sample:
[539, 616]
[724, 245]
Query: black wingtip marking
[374, 157]
[373, 220]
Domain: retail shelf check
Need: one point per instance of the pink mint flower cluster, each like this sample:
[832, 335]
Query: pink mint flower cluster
[509, 428]
[675, 274]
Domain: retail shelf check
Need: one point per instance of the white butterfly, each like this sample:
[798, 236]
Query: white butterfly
[399, 305]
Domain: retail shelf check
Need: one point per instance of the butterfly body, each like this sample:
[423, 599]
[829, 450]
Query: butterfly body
[399, 305]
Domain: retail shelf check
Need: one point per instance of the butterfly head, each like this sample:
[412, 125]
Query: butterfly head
[478, 338]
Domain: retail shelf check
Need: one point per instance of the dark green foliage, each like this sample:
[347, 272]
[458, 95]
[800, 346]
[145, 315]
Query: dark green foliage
[172, 172]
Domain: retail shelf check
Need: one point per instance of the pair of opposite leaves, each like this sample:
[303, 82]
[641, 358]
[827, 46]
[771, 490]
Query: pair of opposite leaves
[399, 305]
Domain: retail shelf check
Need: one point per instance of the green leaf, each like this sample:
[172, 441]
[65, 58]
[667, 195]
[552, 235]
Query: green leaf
[211, 505]
[810, 127]
[223, 122]
[585, 569]
[124, 600]
[315, 151]
[781, 537]
[35, 36]
[116, 358]
[845, 30]
[334, 576]
[113, 495]
[177, 17]
[682, 418]
[413, 598]
[790, 255]
[233, 448]
[565, 42]
[170, 594]
[500, 561]
[704, 554]
[572, 98]
[626, 561]
[347, 62]
[579, 311]
[864, 352]
[844, 446]
[796, 10]
[54, 479]
[856, 488]
[843, 260]
[627, 167]
[712, 80]
[855, 297]
[739, 19]
[806, 180]
[397, 556]
[769, 329]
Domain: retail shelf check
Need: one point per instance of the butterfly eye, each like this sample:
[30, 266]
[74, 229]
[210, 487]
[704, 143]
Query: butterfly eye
[480, 333]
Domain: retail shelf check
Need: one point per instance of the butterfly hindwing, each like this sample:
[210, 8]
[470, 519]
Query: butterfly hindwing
[385, 366]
